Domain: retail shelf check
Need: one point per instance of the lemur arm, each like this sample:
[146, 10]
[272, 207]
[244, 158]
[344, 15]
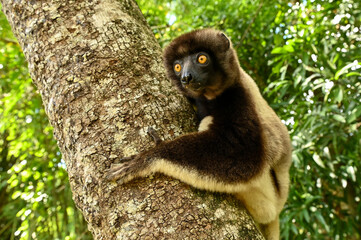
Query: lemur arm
[205, 160]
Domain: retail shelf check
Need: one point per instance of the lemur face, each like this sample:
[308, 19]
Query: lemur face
[201, 63]
[196, 72]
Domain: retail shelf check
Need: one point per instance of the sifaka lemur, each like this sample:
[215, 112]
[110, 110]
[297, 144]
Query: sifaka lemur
[241, 147]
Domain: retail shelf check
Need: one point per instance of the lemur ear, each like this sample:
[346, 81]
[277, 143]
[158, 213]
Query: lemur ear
[225, 40]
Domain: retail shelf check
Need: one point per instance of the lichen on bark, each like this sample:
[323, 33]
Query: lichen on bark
[99, 71]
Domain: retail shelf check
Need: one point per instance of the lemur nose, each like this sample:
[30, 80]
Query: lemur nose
[186, 78]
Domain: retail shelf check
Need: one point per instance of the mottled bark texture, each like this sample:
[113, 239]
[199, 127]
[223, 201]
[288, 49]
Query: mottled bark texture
[99, 71]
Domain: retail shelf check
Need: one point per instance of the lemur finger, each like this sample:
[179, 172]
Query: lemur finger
[124, 159]
[113, 172]
[112, 176]
[127, 159]
[115, 167]
[123, 171]
[154, 135]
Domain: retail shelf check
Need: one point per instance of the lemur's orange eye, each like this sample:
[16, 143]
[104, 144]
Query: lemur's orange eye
[177, 67]
[202, 59]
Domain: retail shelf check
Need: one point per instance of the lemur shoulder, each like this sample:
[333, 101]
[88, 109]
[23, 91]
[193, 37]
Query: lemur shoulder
[241, 147]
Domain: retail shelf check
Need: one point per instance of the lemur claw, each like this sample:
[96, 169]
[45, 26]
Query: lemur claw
[154, 135]
[127, 159]
[123, 171]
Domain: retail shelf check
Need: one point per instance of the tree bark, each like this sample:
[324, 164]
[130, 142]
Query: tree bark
[99, 71]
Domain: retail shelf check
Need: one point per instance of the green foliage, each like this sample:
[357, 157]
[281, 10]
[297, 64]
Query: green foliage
[35, 194]
[305, 57]
[318, 88]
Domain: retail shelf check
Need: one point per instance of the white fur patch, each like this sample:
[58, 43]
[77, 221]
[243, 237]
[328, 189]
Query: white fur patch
[205, 123]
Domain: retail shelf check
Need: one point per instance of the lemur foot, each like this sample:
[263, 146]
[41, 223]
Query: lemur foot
[126, 170]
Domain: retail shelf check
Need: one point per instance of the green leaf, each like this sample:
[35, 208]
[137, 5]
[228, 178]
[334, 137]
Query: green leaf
[277, 50]
[350, 74]
[21, 212]
[283, 49]
[307, 80]
[288, 48]
[355, 113]
[15, 195]
[322, 220]
[338, 94]
[345, 69]
[339, 118]
[306, 215]
[331, 64]
[318, 160]
[311, 69]
[314, 48]
[277, 40]
[278, 18]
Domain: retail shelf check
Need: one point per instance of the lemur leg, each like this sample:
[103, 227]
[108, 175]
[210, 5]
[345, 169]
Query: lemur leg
[263, 211]
[261, 199]
[261, 206]
[271, 231]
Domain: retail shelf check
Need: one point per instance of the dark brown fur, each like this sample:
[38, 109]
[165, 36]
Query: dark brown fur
[231, 150]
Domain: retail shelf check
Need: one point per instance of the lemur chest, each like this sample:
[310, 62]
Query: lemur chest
[205, 124]
[204, 108]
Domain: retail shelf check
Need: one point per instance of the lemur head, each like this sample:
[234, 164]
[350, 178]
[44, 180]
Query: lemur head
[201, 63]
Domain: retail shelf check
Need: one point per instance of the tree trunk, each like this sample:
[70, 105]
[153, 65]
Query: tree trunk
[99, 71]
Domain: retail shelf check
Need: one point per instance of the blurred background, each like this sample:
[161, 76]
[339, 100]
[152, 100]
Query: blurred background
[304, 55]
